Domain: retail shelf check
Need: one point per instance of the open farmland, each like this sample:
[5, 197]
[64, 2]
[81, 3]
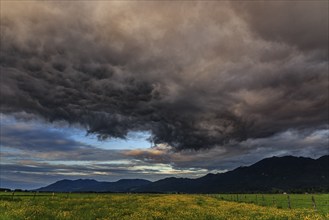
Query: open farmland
[151, 206]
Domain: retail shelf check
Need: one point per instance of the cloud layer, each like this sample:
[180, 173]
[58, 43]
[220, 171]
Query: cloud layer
[194, 74]
[35, 154]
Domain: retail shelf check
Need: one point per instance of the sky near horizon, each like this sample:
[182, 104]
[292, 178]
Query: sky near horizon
[122, 89]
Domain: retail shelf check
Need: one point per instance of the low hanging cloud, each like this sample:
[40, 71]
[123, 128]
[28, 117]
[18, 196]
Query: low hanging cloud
[195, 74]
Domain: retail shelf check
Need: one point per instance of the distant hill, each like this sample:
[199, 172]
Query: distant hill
[90, 185]
[275, 174]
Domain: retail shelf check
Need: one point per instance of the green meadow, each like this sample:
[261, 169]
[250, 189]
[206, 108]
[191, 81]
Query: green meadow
[44, 206]
[318, 202]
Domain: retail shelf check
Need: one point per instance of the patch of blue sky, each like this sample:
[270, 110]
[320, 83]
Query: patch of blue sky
[9, 149]
[134, 140]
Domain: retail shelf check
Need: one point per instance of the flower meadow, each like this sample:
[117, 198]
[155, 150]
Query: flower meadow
[141, 206]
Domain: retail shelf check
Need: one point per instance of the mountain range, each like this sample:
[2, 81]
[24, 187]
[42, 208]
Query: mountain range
[275, 174]
[90, 185]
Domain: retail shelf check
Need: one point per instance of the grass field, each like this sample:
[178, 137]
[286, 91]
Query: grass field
[153, 206]
[281, 201]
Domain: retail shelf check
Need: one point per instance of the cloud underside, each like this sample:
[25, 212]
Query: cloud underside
[194, 74]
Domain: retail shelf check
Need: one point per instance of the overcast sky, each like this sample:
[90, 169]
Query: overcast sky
[122, 89]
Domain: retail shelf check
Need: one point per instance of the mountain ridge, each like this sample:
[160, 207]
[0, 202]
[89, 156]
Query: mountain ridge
[274, 174]
[91, 185]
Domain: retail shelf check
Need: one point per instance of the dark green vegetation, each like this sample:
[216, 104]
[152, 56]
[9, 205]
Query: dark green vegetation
[151, 206]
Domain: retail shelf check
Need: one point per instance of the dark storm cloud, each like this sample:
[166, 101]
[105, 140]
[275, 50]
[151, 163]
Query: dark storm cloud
[194, 74]
[303, 24]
